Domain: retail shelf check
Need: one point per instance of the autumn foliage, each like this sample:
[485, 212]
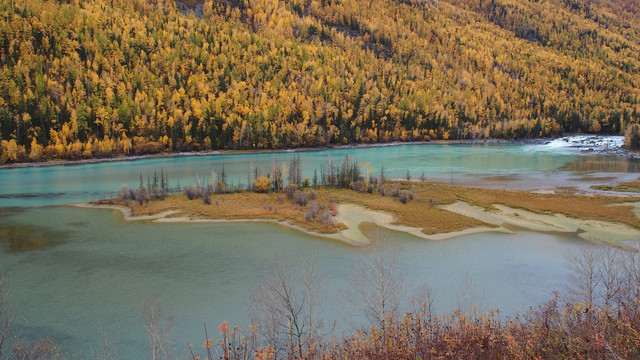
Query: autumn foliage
[262, 184]
[555, 330]
[103, 78]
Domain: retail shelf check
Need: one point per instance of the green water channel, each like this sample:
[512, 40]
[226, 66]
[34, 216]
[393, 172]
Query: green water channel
[74, 269]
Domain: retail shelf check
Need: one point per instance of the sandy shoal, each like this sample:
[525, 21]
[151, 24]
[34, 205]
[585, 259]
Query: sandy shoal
[168, 217]
[592, 230]
[500, 216]
[352, 215]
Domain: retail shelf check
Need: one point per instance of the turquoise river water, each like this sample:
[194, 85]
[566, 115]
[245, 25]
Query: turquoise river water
[73, 270]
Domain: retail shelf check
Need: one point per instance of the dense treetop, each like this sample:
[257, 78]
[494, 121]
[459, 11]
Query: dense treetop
[115, 77]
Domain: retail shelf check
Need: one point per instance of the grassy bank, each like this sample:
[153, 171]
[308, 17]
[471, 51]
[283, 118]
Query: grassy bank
[416, 205]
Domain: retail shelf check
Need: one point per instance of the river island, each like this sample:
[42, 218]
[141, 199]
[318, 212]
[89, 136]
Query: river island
[427, 210]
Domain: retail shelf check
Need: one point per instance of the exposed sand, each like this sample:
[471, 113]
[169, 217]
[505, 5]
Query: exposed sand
[353, 215]
[591, 230]
[349, 214]
[126, 213]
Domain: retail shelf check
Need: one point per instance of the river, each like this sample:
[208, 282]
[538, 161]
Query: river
[73, 270]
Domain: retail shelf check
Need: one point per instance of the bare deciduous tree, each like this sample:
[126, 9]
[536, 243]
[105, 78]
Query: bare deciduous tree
[250, 175]
[422, 303]
[610, 274]
[108, 348]
[311, 293]
[584, 279]
[376, 286]
[285, 315]
[470, 299]
[630, 287]
[598, 273]
[158, 331]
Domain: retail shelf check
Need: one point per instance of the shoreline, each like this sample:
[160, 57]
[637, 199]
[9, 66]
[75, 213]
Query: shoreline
[499, 219]
[352, 235]
[163, 218]
[169, 155]
[533, 141]
[595, 231]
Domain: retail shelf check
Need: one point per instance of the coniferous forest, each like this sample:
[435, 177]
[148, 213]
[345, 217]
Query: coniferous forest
[102, 78]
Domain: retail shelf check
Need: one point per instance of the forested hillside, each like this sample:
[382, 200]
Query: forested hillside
[97, 78]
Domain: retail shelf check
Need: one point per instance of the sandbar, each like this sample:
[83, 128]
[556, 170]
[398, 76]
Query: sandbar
[168, 217]
[597, 231]
[353, 215]
[498, 220]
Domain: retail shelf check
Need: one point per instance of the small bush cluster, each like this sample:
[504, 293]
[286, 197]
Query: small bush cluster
[320, 212]
[405, 196]
[271, 207]
[396, 191]
[158, 194]
[368, 186]
[314, 210]
[197, 192]
[140, 195]
[357, 186]
[126, 193]
[300, 198]
[326, 218]
[156, 190]
[193, 192]
[290, 190]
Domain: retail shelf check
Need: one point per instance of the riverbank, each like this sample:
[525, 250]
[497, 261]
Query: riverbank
[350, 216]
[586, 143]
[176, 216]
[435, 212]
[596, 231]
[165, 155]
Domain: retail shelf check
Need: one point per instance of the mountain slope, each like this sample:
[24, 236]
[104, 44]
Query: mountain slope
[110, 77]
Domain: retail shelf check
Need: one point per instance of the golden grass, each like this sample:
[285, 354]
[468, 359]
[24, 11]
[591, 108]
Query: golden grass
[239, 206]
[633, 186]
[435, 220]
[576, 206]
[420, 212]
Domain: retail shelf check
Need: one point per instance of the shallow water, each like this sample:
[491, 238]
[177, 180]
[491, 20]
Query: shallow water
[207, 272]
[73, 269]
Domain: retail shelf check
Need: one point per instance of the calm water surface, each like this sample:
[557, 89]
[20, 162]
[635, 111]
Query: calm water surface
[526, 166]
[73, 269]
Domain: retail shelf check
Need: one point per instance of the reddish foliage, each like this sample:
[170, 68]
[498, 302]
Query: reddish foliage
[334, 211]
[553, 331]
